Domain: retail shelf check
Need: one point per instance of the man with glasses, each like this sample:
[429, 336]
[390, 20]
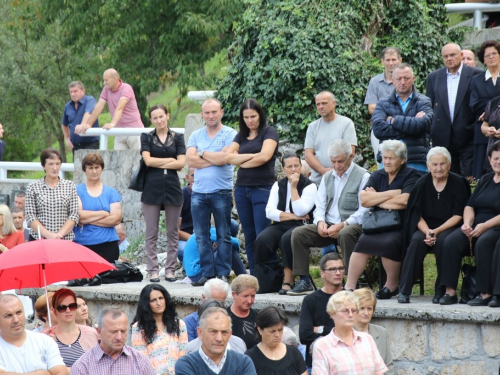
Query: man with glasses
[314, 320]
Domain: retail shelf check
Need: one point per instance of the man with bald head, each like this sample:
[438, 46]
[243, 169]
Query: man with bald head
[453, 123]
[320, 133]
[22, 351]
[468, 57]
[122, 105]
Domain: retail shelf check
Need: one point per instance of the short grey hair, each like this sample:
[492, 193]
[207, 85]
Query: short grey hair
[339, 147]
[289, 337]
[398, 147]
[439, 150]
[210, 311]
[78, 84]
[402, 66]
[327, 92]
[216, 284]
[115, 313]
[338, 300]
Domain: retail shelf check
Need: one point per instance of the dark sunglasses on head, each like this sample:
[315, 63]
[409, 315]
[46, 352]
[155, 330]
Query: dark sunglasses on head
[62, 308]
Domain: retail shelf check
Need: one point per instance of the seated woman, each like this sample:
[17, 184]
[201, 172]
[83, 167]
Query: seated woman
[367, 304]
[99, 209]
[270, 356]
[72, 339]
[290, 205]
[9, 235]
[345, 350]
[82, 312]
[479, 233]
[42, 313]
[389, 189]
[157, 332]
[434, 211]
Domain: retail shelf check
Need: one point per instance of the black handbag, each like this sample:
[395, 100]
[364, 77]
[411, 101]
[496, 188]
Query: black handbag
[125, 272]
[469, 278]
[139, 177]
[270, 276]
[378, 220]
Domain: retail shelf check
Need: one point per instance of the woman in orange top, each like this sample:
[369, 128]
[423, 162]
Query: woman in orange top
[9, 235]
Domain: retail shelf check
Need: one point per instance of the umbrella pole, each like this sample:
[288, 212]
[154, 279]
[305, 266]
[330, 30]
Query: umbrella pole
[46, 295]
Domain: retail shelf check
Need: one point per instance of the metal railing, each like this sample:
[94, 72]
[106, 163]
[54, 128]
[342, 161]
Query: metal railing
[476, 8]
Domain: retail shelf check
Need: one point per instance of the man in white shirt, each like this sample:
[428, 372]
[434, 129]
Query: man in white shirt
[289, 206]
[22, 351]
[337, 217]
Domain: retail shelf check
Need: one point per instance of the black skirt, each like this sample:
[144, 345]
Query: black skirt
[387, 245]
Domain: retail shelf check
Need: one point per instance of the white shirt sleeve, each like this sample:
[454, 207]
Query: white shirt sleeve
[320, 201]
[305, 204]
[356, 217]
[272, 212]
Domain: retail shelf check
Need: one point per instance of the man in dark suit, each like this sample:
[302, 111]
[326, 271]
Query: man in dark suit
[453, 124]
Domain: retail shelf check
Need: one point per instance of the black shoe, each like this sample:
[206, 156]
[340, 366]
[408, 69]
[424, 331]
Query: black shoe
[171, 279]
[201, 281]
[222, 277]
[385, 293]
[495, 301]
[155, 280]
[436, 299]
[284, 292]
[479, 301]
[403, 298]
[448, 300]
[301, 287]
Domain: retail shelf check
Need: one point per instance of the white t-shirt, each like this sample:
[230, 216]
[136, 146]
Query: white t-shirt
[39, 352]
[320, 134]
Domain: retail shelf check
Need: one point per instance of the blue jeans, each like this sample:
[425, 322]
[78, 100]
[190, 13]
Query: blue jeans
[218, 204]
[251, 204]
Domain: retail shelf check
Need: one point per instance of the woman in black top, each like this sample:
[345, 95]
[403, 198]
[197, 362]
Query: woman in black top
[491, 124]
[389, 189]
[479, 233]
[270, 356]
[254, 150]
[434, 211]
[164, 153]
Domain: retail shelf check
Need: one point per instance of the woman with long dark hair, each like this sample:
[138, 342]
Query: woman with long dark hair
[254, 150]
[157, 332]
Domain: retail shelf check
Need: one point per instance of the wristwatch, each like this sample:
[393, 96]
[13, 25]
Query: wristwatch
[200, 154]
[320, 329]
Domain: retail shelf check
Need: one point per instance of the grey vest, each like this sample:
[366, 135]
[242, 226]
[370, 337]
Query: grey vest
[348, 200]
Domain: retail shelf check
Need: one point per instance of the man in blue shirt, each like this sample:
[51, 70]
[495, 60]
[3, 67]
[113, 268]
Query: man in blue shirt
[2, 143]
[212, 190]
[76, 112]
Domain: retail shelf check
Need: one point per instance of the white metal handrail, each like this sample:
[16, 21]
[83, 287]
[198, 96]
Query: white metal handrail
[6, 166]
[103, 134]
[476, 8]
[201, 95]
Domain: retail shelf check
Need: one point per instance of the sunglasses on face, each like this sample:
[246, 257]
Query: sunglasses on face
[62, 308]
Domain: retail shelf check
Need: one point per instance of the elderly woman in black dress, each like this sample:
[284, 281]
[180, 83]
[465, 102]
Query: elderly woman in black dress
[491, 124]
[479, 234]
[389, 189]
[164, 153]
[434, 211]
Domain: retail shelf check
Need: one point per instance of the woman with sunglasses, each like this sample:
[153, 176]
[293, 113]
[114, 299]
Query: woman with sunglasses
[72, 339]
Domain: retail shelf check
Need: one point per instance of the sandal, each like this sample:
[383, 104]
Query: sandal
[283, 292]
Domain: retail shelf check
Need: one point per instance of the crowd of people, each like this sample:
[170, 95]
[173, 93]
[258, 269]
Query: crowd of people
[418, 201]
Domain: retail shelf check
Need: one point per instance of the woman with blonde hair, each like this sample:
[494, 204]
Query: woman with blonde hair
[42, 313]
[9, 235]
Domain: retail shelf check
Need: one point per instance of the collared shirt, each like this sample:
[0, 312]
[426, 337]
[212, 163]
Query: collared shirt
[52, 207]
[72, 117]
[404, 104]
[333, 356]
[131, 117]
[333, 215]
[96, 362]
[378, 88]
[211, 364]
[301, 206]
[452, 81]
[488, 75]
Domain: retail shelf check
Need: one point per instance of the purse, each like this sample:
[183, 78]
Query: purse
[125, 272]
[378, 220]
[138, 179]
[469, 277]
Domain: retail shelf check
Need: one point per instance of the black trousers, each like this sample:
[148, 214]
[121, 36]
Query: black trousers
[462, 158]
[479, 158]
[414, 258]
[108, 250]
[495, 266]
[276, 235]
[457, 245]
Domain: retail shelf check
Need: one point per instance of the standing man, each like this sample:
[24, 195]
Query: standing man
[405, 115]
[23, 351]
[453, 123]
[111, 355]
[381, 86]
[77, 111]
[18, 219]
[469, 58]
[186, 219]
[315, 322]
[20, 200]
[323, 131]
[122, 105]
[212, 190]
[2, 142]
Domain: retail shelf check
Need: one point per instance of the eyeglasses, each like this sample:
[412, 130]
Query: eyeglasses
[347, 311]
[62, 308]
[494, 54]
[334, 269]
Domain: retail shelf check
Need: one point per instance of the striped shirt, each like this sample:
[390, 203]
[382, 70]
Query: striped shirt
[96, 362]
[333, 356]
[70, 353]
